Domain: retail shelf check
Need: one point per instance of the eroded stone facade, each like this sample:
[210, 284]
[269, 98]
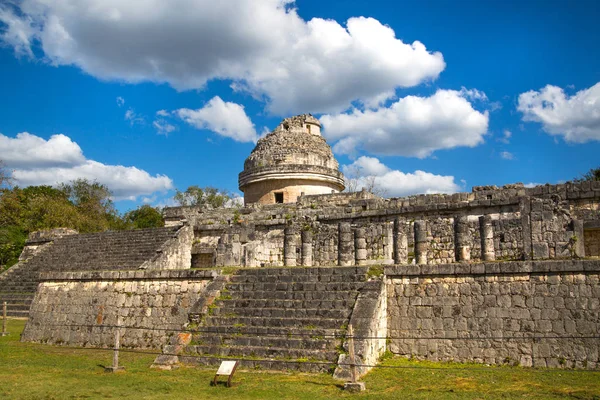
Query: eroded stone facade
[508, 223]
[537, 313]
[290, 161]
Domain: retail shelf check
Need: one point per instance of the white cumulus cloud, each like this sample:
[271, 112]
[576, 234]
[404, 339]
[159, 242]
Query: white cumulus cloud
[262, 47]
[36, 161]
[224, 118]
[576, 117]
[412, 126]
[369, 171]
[27, 150]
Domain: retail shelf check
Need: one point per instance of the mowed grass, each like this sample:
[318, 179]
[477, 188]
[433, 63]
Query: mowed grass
[32, 371]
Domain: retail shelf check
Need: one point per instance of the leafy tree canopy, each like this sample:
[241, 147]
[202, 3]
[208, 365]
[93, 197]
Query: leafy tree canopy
[592, 175]
[144, 217]
[82, 205]
[207, 196]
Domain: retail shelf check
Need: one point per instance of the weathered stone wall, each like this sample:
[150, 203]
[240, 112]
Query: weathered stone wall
[82, 308]
[175, 253]
[520, 224]
[538, 313]
[592, 242]
[370, 324]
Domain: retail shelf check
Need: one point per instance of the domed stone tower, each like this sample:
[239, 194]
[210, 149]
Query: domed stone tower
[291, 160]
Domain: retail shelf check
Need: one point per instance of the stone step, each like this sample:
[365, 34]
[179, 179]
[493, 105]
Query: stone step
[18, 289]
[11, 307]
[292, 295]
[281, 353]
[281, 312]
[328, 343]
[304, 270]
[271, 365]
[16, 296]
[281, 303]
[313, 332]
[297, 278]
[293, 286]
[306, 323]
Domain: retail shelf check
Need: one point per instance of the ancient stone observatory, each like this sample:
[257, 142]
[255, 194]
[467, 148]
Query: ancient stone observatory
[292, 160]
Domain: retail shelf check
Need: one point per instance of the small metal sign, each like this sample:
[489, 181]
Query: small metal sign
[227, 368]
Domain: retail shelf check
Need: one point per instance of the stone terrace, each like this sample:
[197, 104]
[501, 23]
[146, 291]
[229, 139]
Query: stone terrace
[284, 315]
[121, 250]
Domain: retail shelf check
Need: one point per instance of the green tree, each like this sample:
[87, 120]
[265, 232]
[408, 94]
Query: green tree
[12, 241]
[592, 175]
[207, 196]
[144, 217]
[5, 175]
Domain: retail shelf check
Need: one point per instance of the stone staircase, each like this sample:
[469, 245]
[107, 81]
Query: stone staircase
[119, 250]
[288, 316]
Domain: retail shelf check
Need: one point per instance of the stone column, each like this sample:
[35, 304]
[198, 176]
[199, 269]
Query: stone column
[289, 247]
[525, 211]
[360, 246]
[421, 245]
[388, 244]
[400, 242]
[486, 231]
[345, 244]
[578, 237]
[307, 248]
[220, 259]
[462, 239]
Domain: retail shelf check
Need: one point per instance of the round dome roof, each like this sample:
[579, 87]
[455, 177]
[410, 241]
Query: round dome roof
[292, 144]
[294, 150]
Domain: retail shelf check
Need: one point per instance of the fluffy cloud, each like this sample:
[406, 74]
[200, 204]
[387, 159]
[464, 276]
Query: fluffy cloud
[506, 155]
[411, 126]
[576, 118]
[369, 171]
[263, 47]
[506, 135]
[133, 117]
[224, 118]
[37, 161]
[30, 151]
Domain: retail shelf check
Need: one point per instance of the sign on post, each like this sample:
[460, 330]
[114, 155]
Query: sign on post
[227, 368]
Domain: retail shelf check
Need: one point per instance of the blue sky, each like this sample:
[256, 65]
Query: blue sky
[148, 98]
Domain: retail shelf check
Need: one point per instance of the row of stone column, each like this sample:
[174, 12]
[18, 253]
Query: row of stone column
[462, 239]
[352, 244]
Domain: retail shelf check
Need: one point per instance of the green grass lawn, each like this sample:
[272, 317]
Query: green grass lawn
[32, 371]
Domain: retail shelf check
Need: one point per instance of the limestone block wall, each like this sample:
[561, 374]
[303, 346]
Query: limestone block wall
[175, 253]
[592, 242]
[440, 234]
[520, 223]
[369, 323]
[325, 245]
[82, 308]
[537, 313]
[508, 237]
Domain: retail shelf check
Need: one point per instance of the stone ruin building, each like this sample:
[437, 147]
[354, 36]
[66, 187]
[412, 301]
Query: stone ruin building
[495, 276]
[292, 161]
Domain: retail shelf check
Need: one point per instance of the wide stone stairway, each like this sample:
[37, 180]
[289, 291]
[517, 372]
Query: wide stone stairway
[120, 250]
[288, 316]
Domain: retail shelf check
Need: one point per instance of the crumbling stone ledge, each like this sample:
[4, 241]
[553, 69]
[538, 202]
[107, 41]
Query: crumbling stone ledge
[494, 268]
[129, 275]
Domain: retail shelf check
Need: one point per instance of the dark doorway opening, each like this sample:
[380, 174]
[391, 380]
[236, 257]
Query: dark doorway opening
[203, 260]
[279, 197]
